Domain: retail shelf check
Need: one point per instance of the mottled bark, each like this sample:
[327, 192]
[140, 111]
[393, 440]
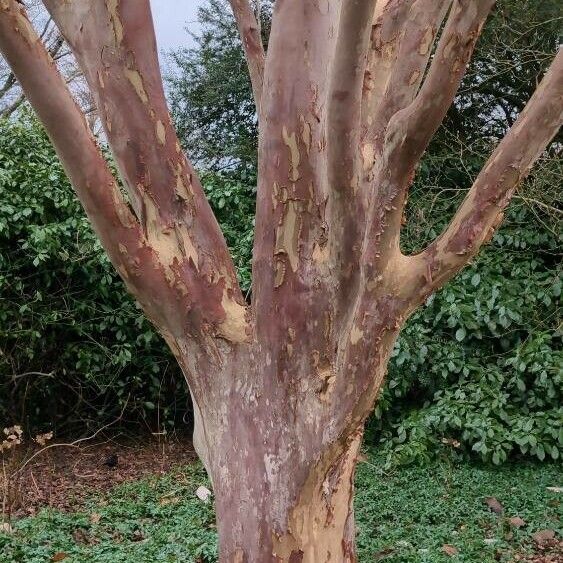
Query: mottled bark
[349, 96]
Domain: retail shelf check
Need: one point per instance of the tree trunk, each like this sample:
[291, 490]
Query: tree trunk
[280, 460]
[282, 508]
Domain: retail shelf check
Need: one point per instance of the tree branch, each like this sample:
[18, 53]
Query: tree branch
[94, 184]
[250, 34]
[482, 210]
[414, 50]
[411, 129]
[347, 78]
[115, 46]
[388, 20]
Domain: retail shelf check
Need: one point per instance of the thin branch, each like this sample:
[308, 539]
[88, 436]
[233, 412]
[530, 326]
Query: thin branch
[251, 37]
[13, 106]
[73, 444]
[482, 210]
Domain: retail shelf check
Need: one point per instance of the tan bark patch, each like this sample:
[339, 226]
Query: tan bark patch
[287, 234]
[426, 41]
[290, 141]
[112, 6]
[233, 328]
[137, 81]
[316, 527]
[160, 132]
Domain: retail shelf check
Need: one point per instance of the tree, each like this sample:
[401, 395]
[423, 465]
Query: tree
[211, 96]
[348, 99]
[479, 392]
[11, 96]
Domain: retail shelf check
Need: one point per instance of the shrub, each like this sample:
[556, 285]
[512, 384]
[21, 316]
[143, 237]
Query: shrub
[75, 349]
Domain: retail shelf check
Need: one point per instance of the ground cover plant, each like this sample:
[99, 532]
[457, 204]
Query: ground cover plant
[434, 514]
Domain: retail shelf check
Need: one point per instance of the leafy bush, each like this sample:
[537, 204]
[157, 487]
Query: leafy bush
[233, 199]
[479, 368]
[74, 347]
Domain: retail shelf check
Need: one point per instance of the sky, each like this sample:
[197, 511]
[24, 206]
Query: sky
[171, 17]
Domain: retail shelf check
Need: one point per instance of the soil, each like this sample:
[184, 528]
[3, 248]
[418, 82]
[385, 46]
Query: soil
[550, 551]
[63, 476]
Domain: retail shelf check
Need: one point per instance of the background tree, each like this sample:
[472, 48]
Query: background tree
[211, 96]
[351, 99]
[11, 96]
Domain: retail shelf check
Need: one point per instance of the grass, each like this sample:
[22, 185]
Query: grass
[404, 515]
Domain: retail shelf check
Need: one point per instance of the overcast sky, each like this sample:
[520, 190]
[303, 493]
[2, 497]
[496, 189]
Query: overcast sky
[171, 17]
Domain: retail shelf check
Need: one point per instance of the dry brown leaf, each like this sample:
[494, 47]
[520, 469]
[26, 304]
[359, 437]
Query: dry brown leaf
[516, 522]
[449, 549]
[95, 518]
[6, 528]
[543, 536]
[494, 505]
[59, 556]
[164, 501]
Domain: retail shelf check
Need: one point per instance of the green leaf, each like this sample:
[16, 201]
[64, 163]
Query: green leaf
[460, 334]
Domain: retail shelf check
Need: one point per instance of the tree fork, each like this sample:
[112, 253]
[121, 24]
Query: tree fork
[349, 96]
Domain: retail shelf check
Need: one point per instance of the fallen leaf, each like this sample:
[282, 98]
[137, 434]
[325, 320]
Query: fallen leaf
[95, 518]
[516, 522]
[59, 556]
[164, 501]
[6, 528]
[494, 505]
[449, 549]
[203, 493]
[543, 536]
[555, 489]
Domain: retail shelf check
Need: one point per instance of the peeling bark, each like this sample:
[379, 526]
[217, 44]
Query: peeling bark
[349, 96]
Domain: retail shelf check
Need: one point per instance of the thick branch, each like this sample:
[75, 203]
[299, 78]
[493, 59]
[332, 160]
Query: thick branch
[413, 53]
[482, 210]
[47, 92]
[250, 34]
[115, 46]
[347, 78]
[388, 21]
[410, 130]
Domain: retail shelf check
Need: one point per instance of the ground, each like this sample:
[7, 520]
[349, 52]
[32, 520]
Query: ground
[134, 503]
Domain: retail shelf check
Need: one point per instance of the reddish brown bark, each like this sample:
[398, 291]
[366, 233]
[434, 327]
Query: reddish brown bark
[349, 97]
